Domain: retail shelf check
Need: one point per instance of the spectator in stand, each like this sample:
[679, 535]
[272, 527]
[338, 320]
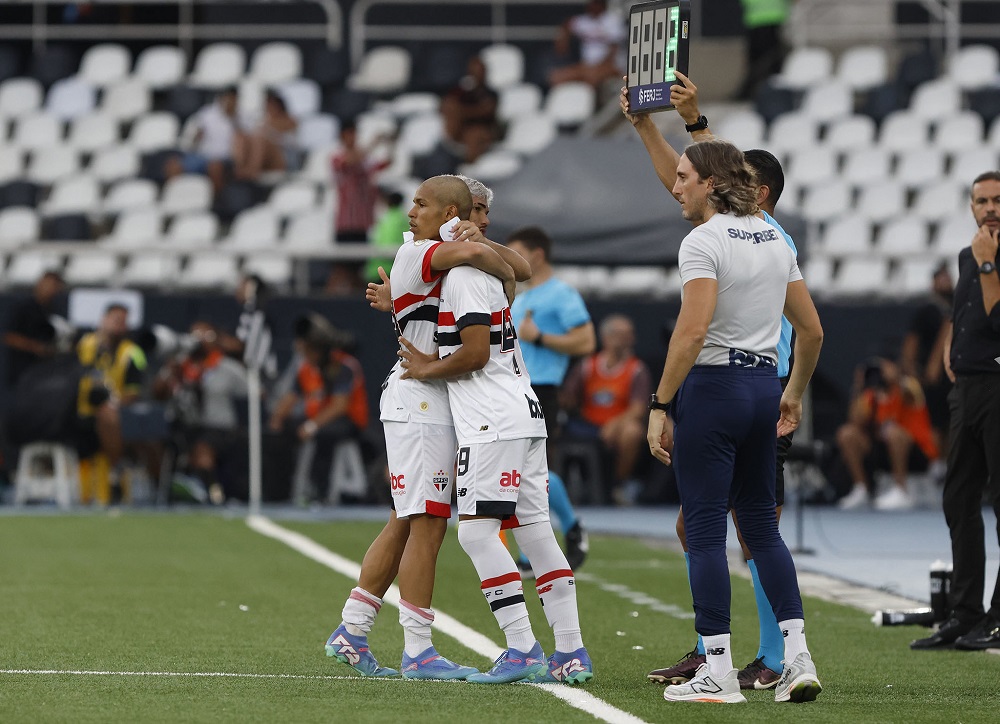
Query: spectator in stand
[888, 426]
[475, 139]
[766, 49]
[30, 336]
[922, 354]
[601, 33]
[388, 233]
[470, 101]
[354, 171]
[205, 387]
[609, 392]
[113, 374]
[271, 146]
[209, 137]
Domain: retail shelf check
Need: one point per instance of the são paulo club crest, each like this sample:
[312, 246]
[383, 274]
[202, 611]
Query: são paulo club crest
[440, 480]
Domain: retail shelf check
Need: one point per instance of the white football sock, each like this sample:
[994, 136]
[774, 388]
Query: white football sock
[360, 611]
[718, 654]
[416, 623]
[794, 631]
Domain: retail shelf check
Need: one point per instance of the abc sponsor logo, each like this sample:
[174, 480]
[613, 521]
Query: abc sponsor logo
[397, 484]
[510, 482]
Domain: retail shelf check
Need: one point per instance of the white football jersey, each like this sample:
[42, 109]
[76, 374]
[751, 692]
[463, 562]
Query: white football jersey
[416, 294]
[496, 402]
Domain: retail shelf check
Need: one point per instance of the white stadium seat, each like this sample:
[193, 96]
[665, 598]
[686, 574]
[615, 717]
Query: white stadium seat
[818, 273]
[92, 132]
[850, 133]
[968, 164]
[48, 165]
[504, 65]
[11, 163]
[318, 166]
[920, 166]
[530, 134]
[130, 194]
[309, 230]
[805, 67]
[863, 67]
[187, 192]
[293, 197]
[880, 202]
[493, 166]
[812, 165]
[255, 228]
[105, 64]
[914, 275]
[865, 165]
[18, 225]
[745, 128]
[210, 270]
[828, 102]
[419, 135]
[385, 69]
[318, 131]
[19, 96]
[826, 201]
[962, 131]
[138, 227]
[274, 269]
[154, 132]
[92, 267]
[161, 66]
[954, 234]
[936, 100]
[301, 96]
[114, 163]
[127, 100]
[974, 66]
[151, 270]
[409, 104]
[940, 200]
[73, 195]
[27, 266]
[37, 130]
[907, 236]
[860, 275]
[70, 98]
[274, 63]
[792, 131]
[902, 130]
[218, 65]
[645, 281]
[570, 104]
[194, 230]
[847, 236]
[518, 100]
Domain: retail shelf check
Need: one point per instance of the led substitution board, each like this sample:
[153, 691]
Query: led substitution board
[658, 46]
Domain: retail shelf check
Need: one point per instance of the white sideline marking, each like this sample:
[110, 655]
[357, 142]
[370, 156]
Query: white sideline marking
[637, 598]
[206, 674]
[471, 639]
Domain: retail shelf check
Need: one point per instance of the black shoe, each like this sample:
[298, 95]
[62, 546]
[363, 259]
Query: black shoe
[945, 636]
[680, 672]
[577, 546]
[984, 635]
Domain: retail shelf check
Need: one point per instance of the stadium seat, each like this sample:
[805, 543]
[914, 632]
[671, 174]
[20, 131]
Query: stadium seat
[518, 100]
[860, 275]
[828, 101]
[134, 228]
[301, 96]
[151, 270]
[319, 131]
[209, 270]
[906, 236]
[419, 135]
[986, 103]
[79, 194]
[347, 104]
[439, 67]
[902, 130]
[92, 268]
[913, 276]
[276, 270]
[292, 198]
[812, 166]
[66, 227]
[274, 63]
[530, 134]
[917, 68]
[804, 68]
[993, 140]
[154, 132]
[493, 166]
[919, 166]
[187, 192]
[114, 163]
[130, 194]
[250, 102]
[954, 234]
[105, 64]
[850, 133]
[745, 128]
[847, 236]
[37, 131]
[194, 230]
[318, 165]
[19, 96]
[504, 65]
[160, 66]
[771, 101]
[956, 133]
[27, 266]
[409, 104]
[818, 273]
[383, 70]
[570, 104]
[255, 228]
[310, 230]
[791, 132]
[974, 66]
[941, 200]
[48, 165]
[11, 163]
[70, 98]
[883, 100]
[93, 132]
[826, 201]
[966, 165]
[218, 65]
[18, 225]
[127, 100]
[184, 101]
[881, 201]
[863, 67]
[373, 124]
[649, 282]
[936, 100]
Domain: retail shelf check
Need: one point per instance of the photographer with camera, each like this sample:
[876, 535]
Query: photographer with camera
[888, 427]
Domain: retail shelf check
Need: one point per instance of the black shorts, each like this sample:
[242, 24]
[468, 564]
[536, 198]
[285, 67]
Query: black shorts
[548, 398]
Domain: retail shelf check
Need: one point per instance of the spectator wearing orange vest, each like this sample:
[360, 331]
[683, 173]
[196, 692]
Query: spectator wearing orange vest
[609, 391]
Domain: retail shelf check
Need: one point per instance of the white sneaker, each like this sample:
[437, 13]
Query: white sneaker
[895, 498]
[857, 498]
[798, 682]
[707, 689]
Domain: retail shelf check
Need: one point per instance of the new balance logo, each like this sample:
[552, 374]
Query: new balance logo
[347, 650]
[706, 685]
[572, 666]
[716, 652]
[462, 492]
[484, 428]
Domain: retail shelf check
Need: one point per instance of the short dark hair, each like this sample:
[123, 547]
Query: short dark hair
[115, 307]
[533, 237]
[768, 170]
[985, 176]
[229, 90]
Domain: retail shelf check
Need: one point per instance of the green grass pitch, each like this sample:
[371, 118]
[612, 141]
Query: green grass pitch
[203, 594]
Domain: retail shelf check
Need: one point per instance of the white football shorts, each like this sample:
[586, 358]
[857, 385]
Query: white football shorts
[421, 461]
[507, 479]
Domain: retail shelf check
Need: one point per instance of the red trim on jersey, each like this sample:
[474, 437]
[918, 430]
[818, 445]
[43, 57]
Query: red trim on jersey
[501, 580]
[407, 300]
[440, 510]
[553, 575]
[511, 522]
[426, 272]
[447, 319]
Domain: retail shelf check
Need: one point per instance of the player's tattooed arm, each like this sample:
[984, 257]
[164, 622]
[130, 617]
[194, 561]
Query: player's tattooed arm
[450, 255]
[379, 296]
[470, 357]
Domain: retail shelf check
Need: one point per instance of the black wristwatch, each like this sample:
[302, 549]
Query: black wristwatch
[655, 404]
[987, 267]
[700, 125]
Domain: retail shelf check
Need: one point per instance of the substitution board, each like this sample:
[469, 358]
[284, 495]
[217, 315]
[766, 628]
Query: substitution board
[658, 47]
